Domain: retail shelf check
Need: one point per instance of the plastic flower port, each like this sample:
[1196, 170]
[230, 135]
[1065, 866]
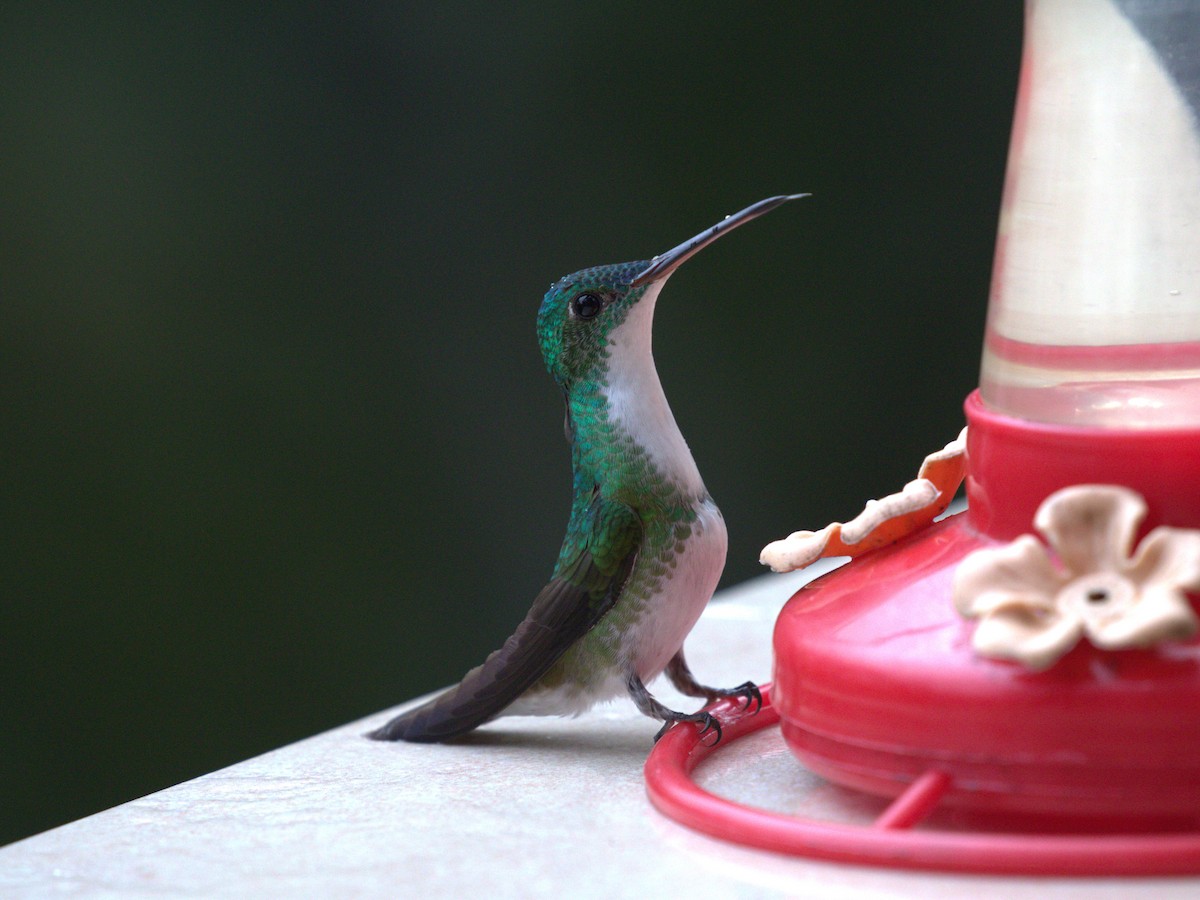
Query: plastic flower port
[1034, 607]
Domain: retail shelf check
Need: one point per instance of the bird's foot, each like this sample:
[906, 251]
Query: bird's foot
[647, 705]
[683, 679]
[747, 692]
[706, 720]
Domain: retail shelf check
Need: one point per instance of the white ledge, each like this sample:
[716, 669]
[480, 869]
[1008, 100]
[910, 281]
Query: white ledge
[528, 807]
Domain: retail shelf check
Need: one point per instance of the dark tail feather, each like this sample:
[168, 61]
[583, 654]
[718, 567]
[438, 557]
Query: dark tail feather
[486, 690]
[561, 614]
[451, 714]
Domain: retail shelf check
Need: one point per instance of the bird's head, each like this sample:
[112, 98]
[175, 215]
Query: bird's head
[581, 312]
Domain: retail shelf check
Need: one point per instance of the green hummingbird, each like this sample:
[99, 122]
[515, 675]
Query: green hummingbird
[645, 544]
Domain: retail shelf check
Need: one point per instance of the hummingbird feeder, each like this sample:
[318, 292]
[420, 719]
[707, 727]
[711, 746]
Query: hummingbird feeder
[1022, 680]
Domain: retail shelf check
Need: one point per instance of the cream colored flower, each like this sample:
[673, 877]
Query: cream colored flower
[1034, 608]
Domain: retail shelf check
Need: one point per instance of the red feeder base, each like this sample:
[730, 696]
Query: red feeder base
[890, 840]
[876, 681]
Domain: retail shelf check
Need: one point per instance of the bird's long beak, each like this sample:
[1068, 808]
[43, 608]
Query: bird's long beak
[662, 266]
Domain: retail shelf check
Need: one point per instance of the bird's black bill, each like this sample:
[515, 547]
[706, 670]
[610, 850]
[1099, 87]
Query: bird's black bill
[664, 265]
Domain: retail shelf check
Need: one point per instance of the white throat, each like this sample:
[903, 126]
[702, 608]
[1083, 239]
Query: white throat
[636, 400]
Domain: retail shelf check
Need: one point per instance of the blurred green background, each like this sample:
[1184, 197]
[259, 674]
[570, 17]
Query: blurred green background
[279, 451]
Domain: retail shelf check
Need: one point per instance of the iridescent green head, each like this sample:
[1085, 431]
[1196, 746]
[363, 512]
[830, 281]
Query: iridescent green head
[580, 312]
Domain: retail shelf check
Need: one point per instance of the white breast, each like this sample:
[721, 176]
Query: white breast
[684, 594]
[636, 400]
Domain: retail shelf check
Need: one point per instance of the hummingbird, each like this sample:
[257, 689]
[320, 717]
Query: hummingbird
[645, 543]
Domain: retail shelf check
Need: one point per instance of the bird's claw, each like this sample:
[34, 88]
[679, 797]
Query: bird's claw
[706, 720]
[749, 694]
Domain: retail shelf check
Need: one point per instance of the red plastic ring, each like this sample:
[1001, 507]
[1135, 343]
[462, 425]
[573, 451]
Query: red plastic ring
[671, 789]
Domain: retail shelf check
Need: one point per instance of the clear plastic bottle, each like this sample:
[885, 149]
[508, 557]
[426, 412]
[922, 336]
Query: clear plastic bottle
[1094, 315]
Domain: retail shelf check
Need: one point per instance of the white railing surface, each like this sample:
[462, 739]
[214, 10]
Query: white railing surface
[528, 807]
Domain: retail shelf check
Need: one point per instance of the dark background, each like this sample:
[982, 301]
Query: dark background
[278, 447]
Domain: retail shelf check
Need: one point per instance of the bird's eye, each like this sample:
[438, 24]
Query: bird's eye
[585, 306]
